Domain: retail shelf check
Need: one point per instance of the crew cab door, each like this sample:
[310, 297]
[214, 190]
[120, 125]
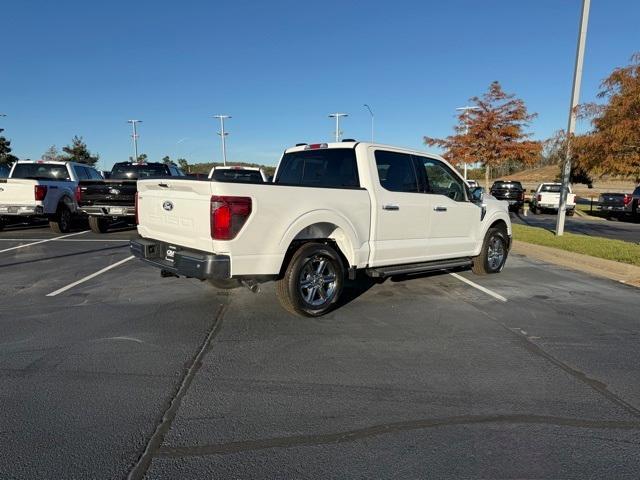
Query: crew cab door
[453, 220]
[400, 219]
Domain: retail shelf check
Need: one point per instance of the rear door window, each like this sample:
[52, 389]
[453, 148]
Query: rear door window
[396, 172]
[81, 172]
[441, 180]
[328, 168]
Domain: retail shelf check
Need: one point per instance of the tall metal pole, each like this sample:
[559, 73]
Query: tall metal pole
[466, 109]
[575, 97]
[337, 116]
[223, 134]
[135, 138]
[371, 113]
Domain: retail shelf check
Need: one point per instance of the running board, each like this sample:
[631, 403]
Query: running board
[391, 270]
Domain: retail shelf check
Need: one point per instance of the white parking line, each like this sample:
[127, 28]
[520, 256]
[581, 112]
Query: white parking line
[60, 239]
[479, 287]
[43, 241]
[89, 277]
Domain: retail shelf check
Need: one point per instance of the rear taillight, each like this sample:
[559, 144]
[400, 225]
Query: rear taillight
[78, 194]
[539, 197]
[228, 216]
[627, 199]
[40, 191]
[136, 208]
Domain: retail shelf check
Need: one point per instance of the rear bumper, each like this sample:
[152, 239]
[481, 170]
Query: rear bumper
[21, 210]
[109, 210]
[613, 208]
[187, 263]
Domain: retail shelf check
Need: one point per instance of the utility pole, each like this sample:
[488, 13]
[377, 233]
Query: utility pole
[135, 138]
[371, 113]
[466, 110]
[337, 116]
[575, 97]
[223, 134]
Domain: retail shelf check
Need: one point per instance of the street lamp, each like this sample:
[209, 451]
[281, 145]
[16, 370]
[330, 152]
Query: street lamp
[223, 134]
[575, 97]
[337, 116]
[466, 110]
[371, 113]
[135, 138]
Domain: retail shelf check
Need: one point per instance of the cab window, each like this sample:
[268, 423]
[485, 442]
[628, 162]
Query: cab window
[396, 172]
[440, 179]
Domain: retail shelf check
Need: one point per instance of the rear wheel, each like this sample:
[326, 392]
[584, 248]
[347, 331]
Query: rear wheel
[61, 223]
[570, 213]
[493, 254]
[99, 224]
[312, 282]
[535, 210]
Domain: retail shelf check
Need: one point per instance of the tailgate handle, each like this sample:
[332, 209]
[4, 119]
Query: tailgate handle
[163, 185]
[390, 207]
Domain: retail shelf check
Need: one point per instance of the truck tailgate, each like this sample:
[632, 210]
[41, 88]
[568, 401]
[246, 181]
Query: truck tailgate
[17, 191]
[173, 211]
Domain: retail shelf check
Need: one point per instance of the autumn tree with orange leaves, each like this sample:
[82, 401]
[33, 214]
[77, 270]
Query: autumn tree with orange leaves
[492, 134]
[613, 146]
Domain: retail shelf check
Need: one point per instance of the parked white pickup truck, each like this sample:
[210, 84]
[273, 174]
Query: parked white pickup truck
[547, 197]
[332, 209]
[43, 189]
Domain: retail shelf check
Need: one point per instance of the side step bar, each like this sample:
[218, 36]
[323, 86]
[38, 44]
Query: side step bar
[378, 272]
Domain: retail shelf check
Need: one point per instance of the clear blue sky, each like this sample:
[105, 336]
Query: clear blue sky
[83, 67]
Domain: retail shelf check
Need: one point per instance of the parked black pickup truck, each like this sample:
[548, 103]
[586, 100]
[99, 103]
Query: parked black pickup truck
[615, 204]
[112, 200]
[509, 191]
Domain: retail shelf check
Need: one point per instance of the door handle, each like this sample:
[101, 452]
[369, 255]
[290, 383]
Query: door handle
[439, 208]
[163, 185]
[390, 207]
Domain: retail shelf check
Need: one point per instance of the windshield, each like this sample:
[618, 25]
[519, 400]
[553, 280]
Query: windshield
[41, 171]
[4, 171]
[551, 188]
[237, 175]
[134, 172]
[507, 185]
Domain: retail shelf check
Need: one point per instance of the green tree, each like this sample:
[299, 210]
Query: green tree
[52, 155]
[78, 152]
[5, 150]
[167, 160]
[141, 158]
[184, 165]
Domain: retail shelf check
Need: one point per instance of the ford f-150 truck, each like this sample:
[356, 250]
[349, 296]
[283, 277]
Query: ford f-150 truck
[547, 197]
[111, 200]
[332, 209]
[44, 189]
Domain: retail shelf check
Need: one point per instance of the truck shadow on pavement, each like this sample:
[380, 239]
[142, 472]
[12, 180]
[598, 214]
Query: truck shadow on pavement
[65, 255]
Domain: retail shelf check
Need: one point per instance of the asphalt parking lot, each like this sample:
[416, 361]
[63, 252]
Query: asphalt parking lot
[626, 230]
[108, 371]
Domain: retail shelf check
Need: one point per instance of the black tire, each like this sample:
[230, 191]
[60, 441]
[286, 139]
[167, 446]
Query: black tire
[570, 213]
[493, 254]
[535, 210]
[1, 224]
[61, 223]
[310, 288]
[99, 224]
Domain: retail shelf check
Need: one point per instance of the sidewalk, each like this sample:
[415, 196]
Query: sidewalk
[620, 272]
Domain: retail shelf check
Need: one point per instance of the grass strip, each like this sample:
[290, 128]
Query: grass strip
[617, 250]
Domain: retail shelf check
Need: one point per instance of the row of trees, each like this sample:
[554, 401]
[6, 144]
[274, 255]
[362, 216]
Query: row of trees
[494, 133]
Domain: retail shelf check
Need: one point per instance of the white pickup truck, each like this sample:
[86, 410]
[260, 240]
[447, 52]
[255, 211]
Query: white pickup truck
[331, 210]
[44, 189]
[547, 197]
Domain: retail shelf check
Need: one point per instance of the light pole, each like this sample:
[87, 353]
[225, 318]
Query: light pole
[223, 134]
[337, 116]
[135, 138]
[371, 113]
[466, 110]
[575, 97]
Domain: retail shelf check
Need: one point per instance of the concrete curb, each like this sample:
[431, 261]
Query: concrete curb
[599, 267]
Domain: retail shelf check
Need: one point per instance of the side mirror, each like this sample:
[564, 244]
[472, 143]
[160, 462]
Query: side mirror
[477, 194]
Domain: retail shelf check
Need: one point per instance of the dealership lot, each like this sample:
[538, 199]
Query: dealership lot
[108, 370]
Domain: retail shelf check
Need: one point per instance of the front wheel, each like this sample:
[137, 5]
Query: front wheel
[312, 282]
[99, 224]
[61, 223]
[493, 254]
